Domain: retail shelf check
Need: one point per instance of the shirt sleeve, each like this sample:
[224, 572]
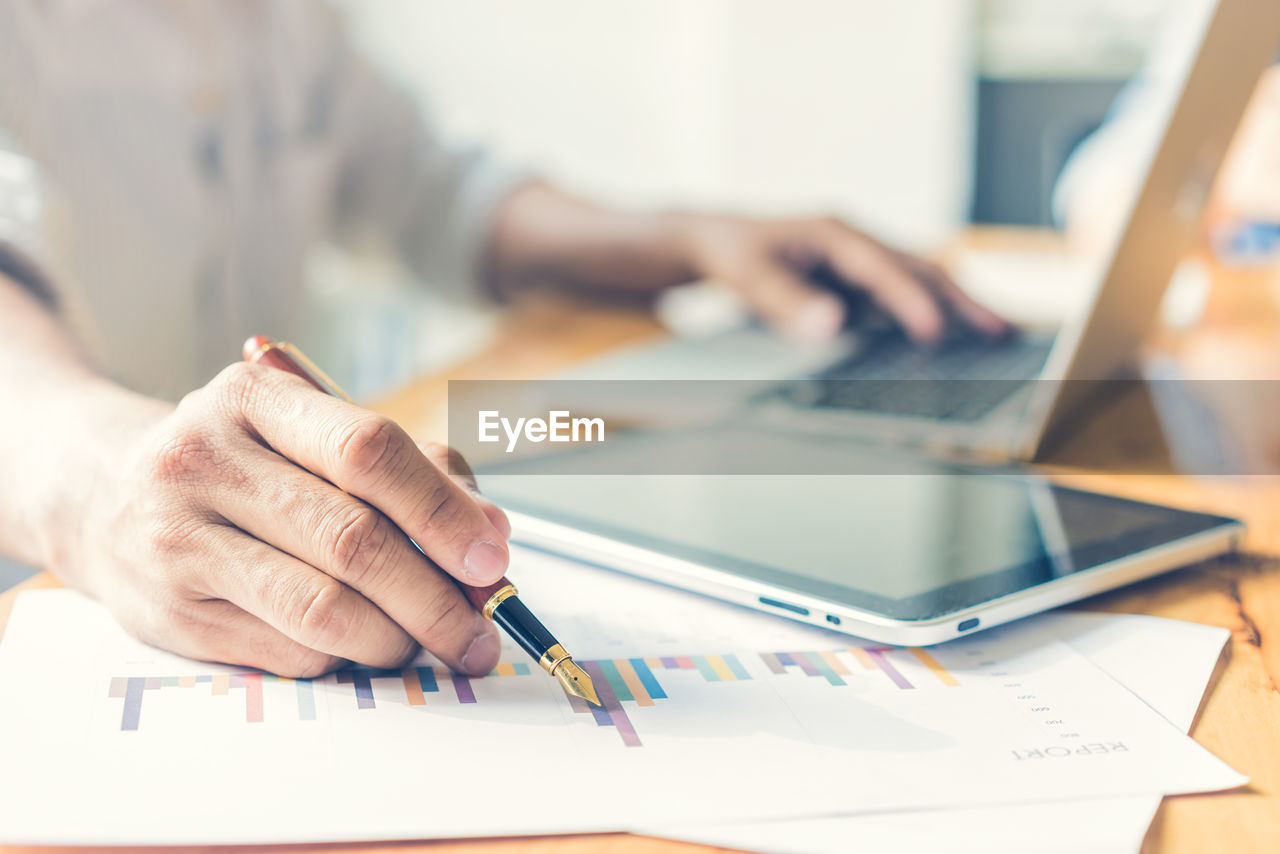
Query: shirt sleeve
[400, 183]
[22, 252]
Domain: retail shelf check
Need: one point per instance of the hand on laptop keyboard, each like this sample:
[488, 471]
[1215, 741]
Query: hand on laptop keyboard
[798, 274]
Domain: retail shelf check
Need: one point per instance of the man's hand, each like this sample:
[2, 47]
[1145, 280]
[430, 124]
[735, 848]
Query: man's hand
[772, 265]
[792, 272]
[263, 523]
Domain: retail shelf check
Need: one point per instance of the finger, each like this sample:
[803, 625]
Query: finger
[859, 259]
[307, 606]
[217, 630]
[788, 303]
[449, 460]
[371, 457]
[361, 553]
[965, 307]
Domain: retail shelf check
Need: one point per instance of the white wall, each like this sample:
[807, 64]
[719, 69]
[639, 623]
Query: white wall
[854, 106]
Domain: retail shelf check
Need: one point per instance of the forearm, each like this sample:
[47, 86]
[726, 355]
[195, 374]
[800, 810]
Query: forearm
[543, 237]
[62, 419]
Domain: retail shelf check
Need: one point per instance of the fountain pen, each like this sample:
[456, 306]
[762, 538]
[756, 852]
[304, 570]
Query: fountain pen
[498, 602]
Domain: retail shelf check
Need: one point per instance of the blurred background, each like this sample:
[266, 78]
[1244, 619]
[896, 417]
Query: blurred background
[912, 119]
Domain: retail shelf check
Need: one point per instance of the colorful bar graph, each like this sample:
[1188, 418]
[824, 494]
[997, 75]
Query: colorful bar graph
[631, 680]
[828, 665]
[132, 689]
[938, 670]
[877, 655]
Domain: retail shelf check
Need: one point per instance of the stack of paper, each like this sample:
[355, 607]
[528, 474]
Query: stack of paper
[719, 725]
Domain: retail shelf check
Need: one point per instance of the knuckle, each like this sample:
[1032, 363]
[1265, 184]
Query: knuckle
[178, 615]
[301, 662]
[369, 445]
[440, 619]
[184, 454]
[319, 615]
[358, 544]
[170, 535]
[238, 383]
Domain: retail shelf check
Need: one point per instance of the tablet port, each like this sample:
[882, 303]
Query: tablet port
[833, 619]
[965, 625]
[786, 606]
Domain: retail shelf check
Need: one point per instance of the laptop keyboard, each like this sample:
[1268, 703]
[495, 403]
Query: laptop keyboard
[962, 380]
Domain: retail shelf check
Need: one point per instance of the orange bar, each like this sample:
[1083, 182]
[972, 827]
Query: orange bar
[653, 662]
[186, 681]
[220, 683]
[505, 668]
[633, 682]
[834, 663]
[938, 670]
[863, 658]
[412, 687]
[722, 670]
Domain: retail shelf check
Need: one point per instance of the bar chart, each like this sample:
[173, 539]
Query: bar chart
[829, 666]
[632, 680]
[417, 682]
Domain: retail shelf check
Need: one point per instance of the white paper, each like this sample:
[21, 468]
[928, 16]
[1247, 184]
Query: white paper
[1167, 663]
[1028, 719]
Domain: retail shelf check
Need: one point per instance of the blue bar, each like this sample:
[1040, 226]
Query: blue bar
[704, 667]
[427, 680]
[521, 668]
[785, 659]
[736, 666]
[132, 703]
[306, 700]
[358, 679]
[651, 686]
[204, 678]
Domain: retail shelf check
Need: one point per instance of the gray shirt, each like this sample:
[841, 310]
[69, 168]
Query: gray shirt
[165, 166]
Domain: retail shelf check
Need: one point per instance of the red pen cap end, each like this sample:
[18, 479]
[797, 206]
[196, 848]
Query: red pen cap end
[254, 346]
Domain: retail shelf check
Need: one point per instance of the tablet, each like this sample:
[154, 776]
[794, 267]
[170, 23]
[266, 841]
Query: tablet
[917, 556]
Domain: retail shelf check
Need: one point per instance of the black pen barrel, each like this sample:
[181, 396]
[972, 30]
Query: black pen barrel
[518, 621]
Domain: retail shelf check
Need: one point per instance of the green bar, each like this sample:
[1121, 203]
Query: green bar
[169, 682]
[610, 670]
[820, 664]
[704, 667]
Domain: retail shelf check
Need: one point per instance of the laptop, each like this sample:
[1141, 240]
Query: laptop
[973, 398]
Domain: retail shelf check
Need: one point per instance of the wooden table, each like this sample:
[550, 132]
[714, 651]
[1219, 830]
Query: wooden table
[1240, 719]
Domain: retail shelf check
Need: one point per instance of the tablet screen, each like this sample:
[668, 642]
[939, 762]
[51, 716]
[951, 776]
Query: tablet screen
[911, 546]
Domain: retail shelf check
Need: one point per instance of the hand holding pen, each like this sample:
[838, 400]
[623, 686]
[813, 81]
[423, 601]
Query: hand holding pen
[496, 599]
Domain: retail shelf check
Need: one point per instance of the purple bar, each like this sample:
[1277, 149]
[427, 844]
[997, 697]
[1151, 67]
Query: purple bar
[462, 685]
[358, 679]
[132, 703]
[669, 663]
[609, 701]
[771, 661]
[889, 670]
[785, 659]
[235, 680]
[805, 664]
[151, 683]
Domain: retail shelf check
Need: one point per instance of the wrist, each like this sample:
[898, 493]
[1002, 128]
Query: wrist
[93, 425]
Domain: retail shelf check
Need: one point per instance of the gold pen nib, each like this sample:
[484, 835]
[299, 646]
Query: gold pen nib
[576, 681]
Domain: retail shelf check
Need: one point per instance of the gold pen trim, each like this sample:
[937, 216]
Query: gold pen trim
[501, 595]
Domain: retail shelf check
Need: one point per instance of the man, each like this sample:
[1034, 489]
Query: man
[170, 163]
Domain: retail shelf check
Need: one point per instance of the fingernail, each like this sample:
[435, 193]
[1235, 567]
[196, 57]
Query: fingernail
[818, 319]
[482, 654]
[485, 562]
